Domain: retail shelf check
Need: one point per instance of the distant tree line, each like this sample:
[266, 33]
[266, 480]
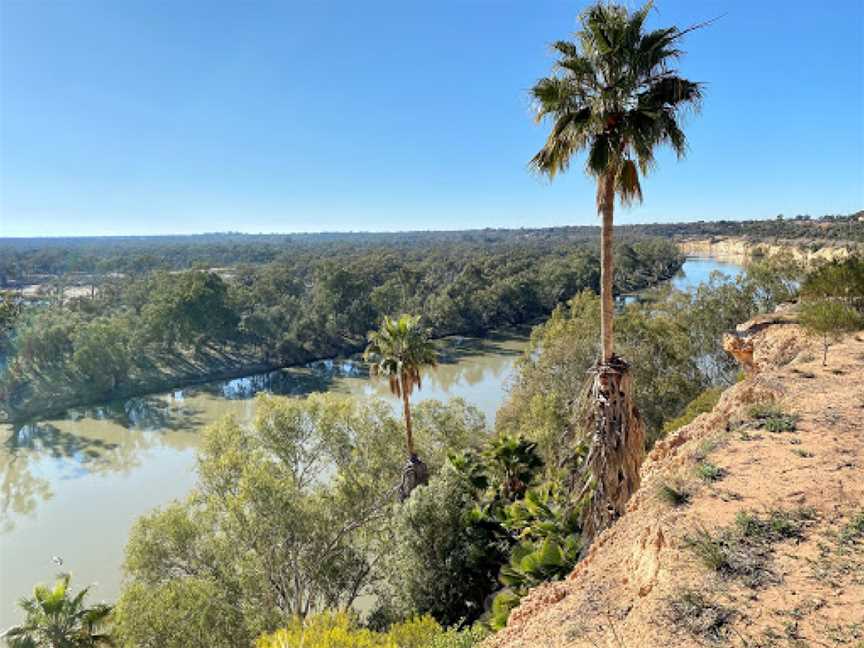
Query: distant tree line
[137, 255]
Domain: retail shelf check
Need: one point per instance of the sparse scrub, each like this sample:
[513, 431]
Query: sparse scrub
[854, 531]
[731, 555]
[780, 424]
[779, 525]
[705, 448]
[710, 550]
[745, 435]
[699, 615]
[744, 550]
[674, 492]
[772, 418]
[763, 410]
[708, 472]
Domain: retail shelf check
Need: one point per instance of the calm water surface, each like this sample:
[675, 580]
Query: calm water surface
[71, 487]
[698, 270]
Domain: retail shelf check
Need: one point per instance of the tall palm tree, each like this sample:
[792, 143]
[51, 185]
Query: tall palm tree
[400, 350]
[613, 93]
[55, 619]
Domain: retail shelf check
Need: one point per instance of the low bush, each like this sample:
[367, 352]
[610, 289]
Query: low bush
[708, 472]
[339, 630]
[699, 615]
[772, 418]
[744, 550]
[704, 402]
[675, 492]
[854, 530]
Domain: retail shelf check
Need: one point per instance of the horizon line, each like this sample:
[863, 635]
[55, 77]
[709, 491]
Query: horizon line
[407, 231]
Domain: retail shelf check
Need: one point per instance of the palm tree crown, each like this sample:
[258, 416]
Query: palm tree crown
[614, 93]
[56, 619]
[399, 350]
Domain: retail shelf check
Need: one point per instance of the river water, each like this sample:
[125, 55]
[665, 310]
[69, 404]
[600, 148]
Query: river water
[71, 487]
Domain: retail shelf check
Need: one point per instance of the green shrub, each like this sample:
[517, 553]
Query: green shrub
[829, 319]
[708, 472]
[339, 630]
[180, 613]
[704, 402]
[442, 559]
[548, 528]
[502, 606]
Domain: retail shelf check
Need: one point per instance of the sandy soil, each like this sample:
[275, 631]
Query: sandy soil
[643, 583]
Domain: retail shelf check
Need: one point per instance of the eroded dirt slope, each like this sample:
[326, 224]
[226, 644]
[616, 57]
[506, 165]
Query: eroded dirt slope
[748, 529]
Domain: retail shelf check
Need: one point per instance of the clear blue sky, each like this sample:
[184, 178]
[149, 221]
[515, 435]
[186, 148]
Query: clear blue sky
[139, 117]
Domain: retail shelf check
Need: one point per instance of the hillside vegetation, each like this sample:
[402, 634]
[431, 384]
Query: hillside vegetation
[748, 529]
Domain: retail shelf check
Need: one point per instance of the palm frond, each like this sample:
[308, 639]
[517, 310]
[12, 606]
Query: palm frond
[627, 183]
[671, 91]
[566, 48]
[599, 155]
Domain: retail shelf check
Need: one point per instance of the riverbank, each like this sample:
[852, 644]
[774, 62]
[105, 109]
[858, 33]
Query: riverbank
[162, 374]
[177, 372]
[50, 393]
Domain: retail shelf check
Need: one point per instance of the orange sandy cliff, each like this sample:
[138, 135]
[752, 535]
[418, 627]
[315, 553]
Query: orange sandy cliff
[797, 578]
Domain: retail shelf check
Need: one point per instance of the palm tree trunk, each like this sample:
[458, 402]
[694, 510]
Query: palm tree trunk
[415, 472]
[406, 410]
[606, 204]
[618, 434]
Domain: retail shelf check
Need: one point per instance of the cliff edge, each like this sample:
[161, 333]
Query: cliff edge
[748, 529]
[742, 250]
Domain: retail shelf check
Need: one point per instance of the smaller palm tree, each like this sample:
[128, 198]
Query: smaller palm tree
[55, 619]
[400, 349]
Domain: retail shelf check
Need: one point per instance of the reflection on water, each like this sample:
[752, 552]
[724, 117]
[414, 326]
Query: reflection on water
[698, 270]
[73, 486]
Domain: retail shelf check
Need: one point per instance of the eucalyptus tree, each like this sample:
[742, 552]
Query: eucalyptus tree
[399, 350]
[10, 312]
[615, 93]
